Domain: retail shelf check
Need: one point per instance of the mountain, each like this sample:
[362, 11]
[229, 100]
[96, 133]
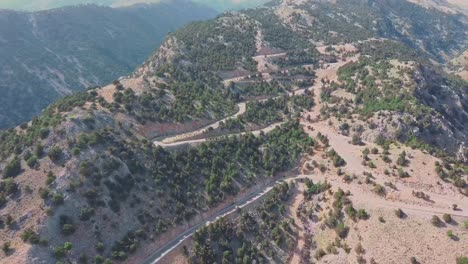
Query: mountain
[298, 132]
[48, 54]
[445, 5]
[220, 5]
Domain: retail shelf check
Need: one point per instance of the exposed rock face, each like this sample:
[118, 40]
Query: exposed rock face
[49, 54]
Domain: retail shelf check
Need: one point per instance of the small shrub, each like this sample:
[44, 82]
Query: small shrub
[30, 236]
[9, 221]
[59, 252]
[399, 213]
[57, 199]
[68, 246]
[39, 150]
[342, 230]
[6, 247]
[361, 260]
[98, 259]
[32, 161]
[380, 190]
[386, 159]
[120, 255]
[351, 212]
[44, 193]
[450, 233]
[402, 161]
[44, 132]
[50, 178]
[8, 187]
[12, 169]
[100, 247]
[356, 140]
[362, 214]
[3, 200]
[55, 153]
[365, 152]
[319, 253]
[75, 151]
[402, 173]
[447, 218]
[68, 229]
[435, 220]
[83, 259]
[359, 249]
[86, 214]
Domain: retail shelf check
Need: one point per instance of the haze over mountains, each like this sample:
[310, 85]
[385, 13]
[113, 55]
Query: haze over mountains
[220, 5]
[48, 54]
[303, 131]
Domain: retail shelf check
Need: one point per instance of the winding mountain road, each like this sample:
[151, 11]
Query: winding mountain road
[255, 195]
[201, 140]
[327, 72]
[241, 203]
[181, 139]
[167, 141]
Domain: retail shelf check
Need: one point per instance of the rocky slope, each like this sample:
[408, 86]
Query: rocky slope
[48, 54]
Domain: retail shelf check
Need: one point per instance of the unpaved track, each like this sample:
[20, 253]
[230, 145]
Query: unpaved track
[352, 155]
[260, 59]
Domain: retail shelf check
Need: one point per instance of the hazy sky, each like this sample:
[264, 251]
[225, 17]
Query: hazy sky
[47, 4]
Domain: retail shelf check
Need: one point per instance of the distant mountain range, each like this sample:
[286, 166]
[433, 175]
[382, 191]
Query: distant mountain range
[220, 5]
[48, 54]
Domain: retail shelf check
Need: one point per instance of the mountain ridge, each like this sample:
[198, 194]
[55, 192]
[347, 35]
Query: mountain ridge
[85, 181]
[105, 44]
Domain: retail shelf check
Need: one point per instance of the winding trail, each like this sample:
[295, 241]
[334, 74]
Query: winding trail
[261, 60]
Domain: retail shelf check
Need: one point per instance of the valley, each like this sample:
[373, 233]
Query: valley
[47, 55]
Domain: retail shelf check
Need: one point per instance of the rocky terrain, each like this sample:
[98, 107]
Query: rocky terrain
[330, 130]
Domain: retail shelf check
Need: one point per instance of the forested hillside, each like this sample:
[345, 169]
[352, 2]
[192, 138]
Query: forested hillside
[284, 107]
[48, 54]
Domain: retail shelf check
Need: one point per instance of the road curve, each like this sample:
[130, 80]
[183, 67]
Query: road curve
[242, 202]
[201, 140]
[178, 140]
[159, 254]
[242, 108]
